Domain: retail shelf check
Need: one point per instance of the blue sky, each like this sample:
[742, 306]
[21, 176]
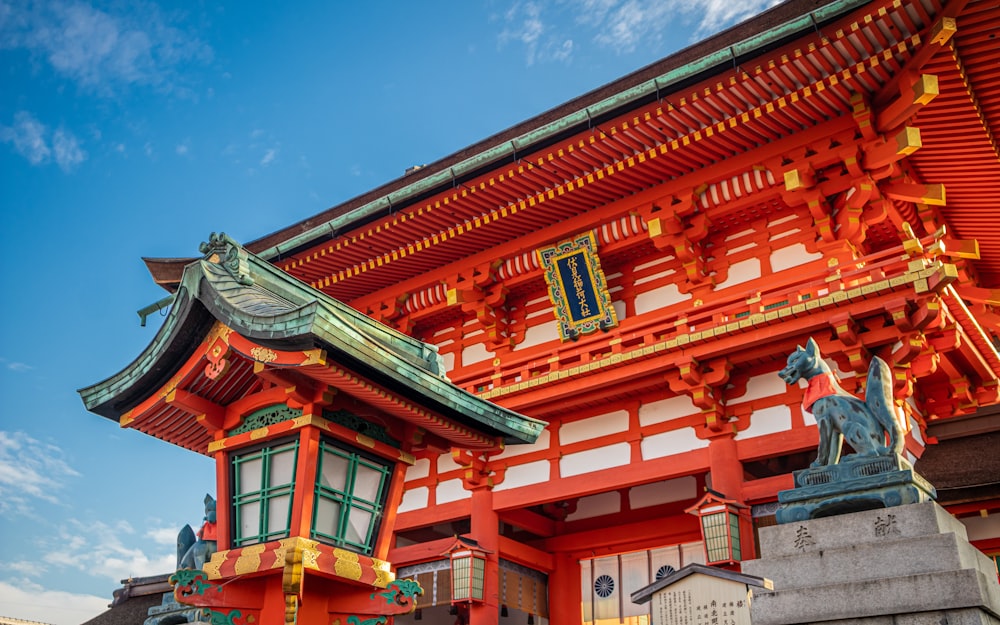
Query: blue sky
[132, 129]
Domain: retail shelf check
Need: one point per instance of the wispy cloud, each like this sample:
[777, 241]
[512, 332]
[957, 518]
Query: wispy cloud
[97, 548]
[524, 24]
[33, 140]
[14, 365]
[30, 471]
[32, 602]
[260, 150]
[67, 150]
[622, 26]
[102, 50]
[268, 157]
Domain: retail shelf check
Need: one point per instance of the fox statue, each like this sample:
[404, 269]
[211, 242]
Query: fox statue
[839, 415]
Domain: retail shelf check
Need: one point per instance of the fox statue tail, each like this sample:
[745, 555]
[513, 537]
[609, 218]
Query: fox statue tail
[878, 398]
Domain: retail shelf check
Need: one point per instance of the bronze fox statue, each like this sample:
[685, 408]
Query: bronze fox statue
[840, 415]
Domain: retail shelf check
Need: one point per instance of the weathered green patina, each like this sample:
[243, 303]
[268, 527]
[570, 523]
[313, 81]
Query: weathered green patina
[876, 475]
[267, 306]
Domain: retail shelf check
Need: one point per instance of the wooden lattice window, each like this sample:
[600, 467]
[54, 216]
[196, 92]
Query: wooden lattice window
[263, 485]
[350, 496]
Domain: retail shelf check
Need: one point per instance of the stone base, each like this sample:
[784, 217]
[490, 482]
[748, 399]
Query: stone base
[909, 564]
[857, 483]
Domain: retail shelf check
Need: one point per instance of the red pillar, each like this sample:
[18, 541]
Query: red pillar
[486, 532]
[565, 598]
[725, 466]
[727, 479]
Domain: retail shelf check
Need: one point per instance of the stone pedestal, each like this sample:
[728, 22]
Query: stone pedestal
[855, 483]
[906, 565]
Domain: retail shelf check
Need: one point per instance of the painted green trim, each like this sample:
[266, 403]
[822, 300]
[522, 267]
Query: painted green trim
[262, 303]
[345, 499]
[524, 142]
[154, 307]
[263, 495]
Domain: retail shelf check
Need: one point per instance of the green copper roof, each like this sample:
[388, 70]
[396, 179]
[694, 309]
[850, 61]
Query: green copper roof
[267, 306]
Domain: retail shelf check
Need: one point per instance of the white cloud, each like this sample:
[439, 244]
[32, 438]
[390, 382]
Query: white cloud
[15, 366]
[29, 471]
[31, 140]
[183, 148]
[163, 535]
[28, 136]
[102, 50]
[67, 150]
[622, 26]
[268, 157]
[524, 24]
[96, 548]
[32, 602]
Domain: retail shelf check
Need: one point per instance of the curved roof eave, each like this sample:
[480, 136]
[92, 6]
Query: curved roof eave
[268, 306]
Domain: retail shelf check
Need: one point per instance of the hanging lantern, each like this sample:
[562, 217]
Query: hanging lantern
[468, 570]
[720, 527]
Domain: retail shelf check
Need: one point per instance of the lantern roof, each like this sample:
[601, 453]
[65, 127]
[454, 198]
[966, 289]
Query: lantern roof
[713, 498]
[269, 308]
[462, 543]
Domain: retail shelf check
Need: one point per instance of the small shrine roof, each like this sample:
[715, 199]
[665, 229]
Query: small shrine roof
[273, 309]
[645, 594]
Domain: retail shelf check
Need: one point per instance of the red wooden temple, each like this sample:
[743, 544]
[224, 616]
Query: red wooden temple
[630, 268]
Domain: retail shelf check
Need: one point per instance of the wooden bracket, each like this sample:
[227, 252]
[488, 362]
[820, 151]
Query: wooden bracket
[477, 472]
[703, 383]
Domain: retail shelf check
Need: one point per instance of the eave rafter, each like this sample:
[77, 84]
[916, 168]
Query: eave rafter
[179, 414]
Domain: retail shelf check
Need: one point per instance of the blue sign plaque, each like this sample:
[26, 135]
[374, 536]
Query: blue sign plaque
[577, 287]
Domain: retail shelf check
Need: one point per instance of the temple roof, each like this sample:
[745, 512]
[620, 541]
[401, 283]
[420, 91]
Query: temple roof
[259, 302]
[777, 76]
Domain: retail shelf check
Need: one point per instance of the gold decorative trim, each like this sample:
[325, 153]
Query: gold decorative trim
[249, 559]
[263, 354]
[918, 275]
[347, 565]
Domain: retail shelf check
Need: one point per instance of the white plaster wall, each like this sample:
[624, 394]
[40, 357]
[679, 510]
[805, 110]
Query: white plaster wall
[538, 334]
[759, 386]
[452, 490]
[791, 256]
[663, 492]
[786, 233]
[593, 427]
[592, 460]
[654, 276]
[652, 263]
[743, 233]
[915, 432]
[670, 443]
[666, 409]
[982, 528]
[664, 296]
[449, 361]
[780, 220]
[525, 475]
[596, 505]
[768, 421]
[420, 468]
[445, 463]
[543, 442]
[415, 499]
[619, 307]
[743, 271]
[474, 353]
